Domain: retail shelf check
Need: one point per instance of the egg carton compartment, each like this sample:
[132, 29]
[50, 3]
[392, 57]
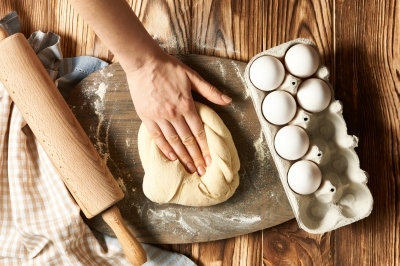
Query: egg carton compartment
[342, 196]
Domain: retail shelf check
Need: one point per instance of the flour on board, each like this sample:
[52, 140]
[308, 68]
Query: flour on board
[99, 107]
[260, 148]
[245, 219]
[222, 70]
[128, 142]
[101, 92]
[121, 184]
[240, 75]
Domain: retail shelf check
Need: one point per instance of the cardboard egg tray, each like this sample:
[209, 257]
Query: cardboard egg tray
[343, 196]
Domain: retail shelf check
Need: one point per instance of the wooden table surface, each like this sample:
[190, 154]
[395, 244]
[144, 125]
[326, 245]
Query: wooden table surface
[358, 40]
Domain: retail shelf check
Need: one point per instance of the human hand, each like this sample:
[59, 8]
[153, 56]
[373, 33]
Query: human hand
[161, 93]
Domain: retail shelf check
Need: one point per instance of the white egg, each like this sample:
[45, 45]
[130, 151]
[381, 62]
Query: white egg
[302, 60]
[304, 177]
[266, 73]
[291, 142]
[279, 107]
[314, 95]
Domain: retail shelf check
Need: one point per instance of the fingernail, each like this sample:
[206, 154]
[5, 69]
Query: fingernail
[191, 167]
[226, 98]
[201, 170]
[172, 156]
[208, 160]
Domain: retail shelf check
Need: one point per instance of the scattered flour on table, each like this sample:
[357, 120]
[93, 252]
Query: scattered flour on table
[166, 42]
[228, 49]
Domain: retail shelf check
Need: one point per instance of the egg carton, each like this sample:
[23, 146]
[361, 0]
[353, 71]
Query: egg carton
[343, 196]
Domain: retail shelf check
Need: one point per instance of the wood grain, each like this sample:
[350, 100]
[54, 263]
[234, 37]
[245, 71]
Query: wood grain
[59, 17]
[288, 20]
[171, 28]
[289, 245]
[368, 82]
[241, 250]
[358, 41]
[230, 29]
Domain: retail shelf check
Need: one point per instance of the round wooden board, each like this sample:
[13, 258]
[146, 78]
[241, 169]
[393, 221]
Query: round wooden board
[103, 105]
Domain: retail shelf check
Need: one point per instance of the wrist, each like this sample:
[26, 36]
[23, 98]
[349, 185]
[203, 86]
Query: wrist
[135, 61]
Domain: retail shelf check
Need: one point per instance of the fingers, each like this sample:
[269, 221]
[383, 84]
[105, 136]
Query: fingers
[209, 91]
[159, 139]
[197, 128]
[195, 142]
[177, 141]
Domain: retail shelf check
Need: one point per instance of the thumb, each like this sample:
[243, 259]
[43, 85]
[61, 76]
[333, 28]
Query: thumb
[207, 90]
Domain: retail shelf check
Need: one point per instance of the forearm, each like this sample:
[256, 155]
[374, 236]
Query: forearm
[160, 85]
[120, 30]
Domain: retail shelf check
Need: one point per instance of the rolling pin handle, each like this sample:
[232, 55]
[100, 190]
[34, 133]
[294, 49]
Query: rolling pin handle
[131, 247]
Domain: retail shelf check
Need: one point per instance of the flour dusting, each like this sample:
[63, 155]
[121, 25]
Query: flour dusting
[99, 107]
[246, 93]
[121, 184]
[184, 225]
[260, 147]
[229, 49]
[166, 42]
[98, 110]
[128, 142]
[238, 73]
[161, 214]
[101, 92]
[245, 219]
[171, 214]
[222, 69]
[238, 110]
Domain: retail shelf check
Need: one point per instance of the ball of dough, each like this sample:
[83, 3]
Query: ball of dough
[167, 181]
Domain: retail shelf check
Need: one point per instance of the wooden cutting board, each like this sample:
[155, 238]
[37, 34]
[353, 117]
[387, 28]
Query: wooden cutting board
[103, 105]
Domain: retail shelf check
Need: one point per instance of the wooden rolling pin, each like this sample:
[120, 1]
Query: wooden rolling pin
[82, 169]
